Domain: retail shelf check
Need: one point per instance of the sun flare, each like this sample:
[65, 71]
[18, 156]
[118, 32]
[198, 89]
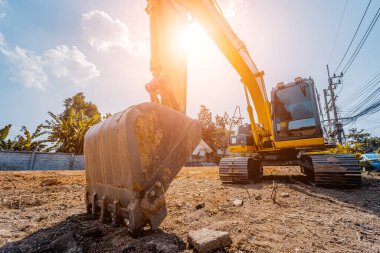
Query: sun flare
[194, 38]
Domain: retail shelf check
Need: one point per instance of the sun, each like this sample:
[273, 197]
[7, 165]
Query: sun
[194, 39]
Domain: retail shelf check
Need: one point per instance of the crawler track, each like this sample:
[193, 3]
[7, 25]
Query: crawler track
[325, 170]
[239, 170]
[336, 170]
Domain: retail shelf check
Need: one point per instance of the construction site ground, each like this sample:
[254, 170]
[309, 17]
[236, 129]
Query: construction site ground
[44, 211]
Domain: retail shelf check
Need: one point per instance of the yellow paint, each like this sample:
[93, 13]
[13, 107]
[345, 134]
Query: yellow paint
[313, 142]
[240, 149]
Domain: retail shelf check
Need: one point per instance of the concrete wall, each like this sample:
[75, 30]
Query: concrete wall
[10, 160]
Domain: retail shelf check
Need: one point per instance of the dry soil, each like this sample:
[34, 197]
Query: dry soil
[44, 212]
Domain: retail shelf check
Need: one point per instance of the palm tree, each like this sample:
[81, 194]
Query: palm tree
[5, 144]
[30, 141]
[67, 133]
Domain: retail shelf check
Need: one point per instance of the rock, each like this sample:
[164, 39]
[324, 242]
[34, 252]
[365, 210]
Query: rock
[194, 216]
[258, 197]
[284, 194]
[163, 247]
[166, 248]
[200, 205]
[39, 218]
[238, 202]
[206, 240]
[49, 182]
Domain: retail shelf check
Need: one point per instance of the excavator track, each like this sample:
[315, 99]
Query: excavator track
[239, 170]
[333, 170]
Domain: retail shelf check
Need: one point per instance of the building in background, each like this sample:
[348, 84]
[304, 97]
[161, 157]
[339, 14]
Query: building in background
[203, 155]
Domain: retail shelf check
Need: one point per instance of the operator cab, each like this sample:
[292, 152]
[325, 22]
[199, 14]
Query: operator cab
[295, 111]
[295, 119]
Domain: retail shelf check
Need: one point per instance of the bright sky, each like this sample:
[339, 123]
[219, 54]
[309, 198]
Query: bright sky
[50, 50]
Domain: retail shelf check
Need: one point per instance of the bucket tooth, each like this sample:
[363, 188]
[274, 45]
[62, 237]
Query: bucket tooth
[136, 219]
[94, 204]
[154, 205]
[133, 153]
[104, 213]
[116, 218]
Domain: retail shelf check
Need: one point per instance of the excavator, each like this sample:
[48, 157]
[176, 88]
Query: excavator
[132, 157]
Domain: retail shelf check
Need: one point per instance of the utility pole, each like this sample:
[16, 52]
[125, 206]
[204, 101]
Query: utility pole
[327, 109]
[332, 86]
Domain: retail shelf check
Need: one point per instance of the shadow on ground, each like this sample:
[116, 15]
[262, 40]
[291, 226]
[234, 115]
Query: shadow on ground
[80, 233]
[364, 198]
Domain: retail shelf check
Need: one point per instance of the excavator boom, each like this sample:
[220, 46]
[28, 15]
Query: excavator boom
[168, 20]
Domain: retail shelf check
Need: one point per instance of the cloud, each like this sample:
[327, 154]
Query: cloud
[3, 4]
[71, 63]
[103, 33]
[33, 70]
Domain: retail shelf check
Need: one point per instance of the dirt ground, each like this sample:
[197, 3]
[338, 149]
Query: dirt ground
[38, 214]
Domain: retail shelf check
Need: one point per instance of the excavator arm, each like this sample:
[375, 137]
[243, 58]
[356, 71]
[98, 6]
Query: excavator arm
[168, 20]
[132, 157]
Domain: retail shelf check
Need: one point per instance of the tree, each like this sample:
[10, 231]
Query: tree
[216, 133]
[30, 141]
[78, 103]
[356, 136]
[67, 129]
[5, 144]
[358, 140]
[208, 127]
[374, 143]
[4, 132]
[224, 125]
[67, 134]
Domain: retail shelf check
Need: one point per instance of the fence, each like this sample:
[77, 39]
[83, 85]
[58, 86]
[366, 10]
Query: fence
[12, 160]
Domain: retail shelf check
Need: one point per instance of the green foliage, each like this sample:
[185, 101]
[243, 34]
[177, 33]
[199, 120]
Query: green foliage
[208, 127]
[358, 142]
[67, 130]
[106, 116]
[67, 134]
[215, 132]
[78, 103]
[356, 136]
[362, 142]
[30, 141]
[27, 141]
[5, 144]
[4, 132]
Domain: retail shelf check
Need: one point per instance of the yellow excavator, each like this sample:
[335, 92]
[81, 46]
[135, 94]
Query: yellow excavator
[132, 157]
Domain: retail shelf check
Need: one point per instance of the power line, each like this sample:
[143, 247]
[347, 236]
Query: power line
[361, 43]
[357, 29]
[336, 36]
[375, 95]
[362, 90]
[371, 104]
[368, 97]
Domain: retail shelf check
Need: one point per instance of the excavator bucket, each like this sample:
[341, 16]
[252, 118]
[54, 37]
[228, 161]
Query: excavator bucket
[130, 160]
